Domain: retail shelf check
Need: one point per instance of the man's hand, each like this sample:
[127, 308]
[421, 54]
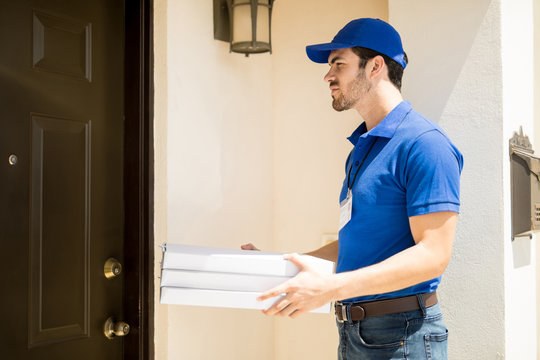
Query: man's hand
[249, 246]
[307, 291]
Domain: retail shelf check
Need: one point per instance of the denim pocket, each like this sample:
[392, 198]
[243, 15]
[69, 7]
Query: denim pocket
[436, 346]
[381, 337]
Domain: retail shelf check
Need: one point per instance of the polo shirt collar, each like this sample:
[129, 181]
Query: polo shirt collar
[387, 127]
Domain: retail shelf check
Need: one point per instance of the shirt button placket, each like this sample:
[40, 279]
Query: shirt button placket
[361, 148]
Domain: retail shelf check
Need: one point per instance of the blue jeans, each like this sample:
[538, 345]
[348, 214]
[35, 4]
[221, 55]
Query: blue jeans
[413, 335]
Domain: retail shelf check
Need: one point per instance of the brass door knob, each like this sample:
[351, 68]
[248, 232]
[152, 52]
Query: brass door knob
[112, 329]
[112, 268]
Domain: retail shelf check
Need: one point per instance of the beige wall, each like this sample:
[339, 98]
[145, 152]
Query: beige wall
[310, 148]
[218, 166]
[161, 321]
[246, 150]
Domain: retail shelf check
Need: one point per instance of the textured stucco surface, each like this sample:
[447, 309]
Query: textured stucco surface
[464, 76]
[455, 77]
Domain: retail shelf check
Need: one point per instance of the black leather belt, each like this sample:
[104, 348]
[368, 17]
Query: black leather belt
[359, 311]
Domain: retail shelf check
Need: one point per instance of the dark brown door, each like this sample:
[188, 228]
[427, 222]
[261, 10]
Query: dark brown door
[61, 177]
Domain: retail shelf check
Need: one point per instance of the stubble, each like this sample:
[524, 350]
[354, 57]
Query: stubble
[354, 91]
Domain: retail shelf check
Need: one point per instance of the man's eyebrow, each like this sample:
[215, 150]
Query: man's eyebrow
[335, 58]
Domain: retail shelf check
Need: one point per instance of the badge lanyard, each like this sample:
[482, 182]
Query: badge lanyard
[346, 205]
[349, 187]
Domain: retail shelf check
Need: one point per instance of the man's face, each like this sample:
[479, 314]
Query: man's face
[348, 83]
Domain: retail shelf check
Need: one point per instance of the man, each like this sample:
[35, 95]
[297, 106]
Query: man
[399, 206]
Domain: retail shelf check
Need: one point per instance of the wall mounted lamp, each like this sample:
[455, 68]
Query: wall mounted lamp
[244, 24]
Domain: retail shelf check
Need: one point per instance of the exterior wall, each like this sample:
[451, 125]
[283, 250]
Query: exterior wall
[242, 145]
[227, 128]
[218, 165]
[463, 94]
[456, 77]
[310, 148]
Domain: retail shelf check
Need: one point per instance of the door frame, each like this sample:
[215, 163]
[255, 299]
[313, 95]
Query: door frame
[139, 180]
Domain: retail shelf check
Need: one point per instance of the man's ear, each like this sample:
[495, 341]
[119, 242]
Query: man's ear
[377, 66]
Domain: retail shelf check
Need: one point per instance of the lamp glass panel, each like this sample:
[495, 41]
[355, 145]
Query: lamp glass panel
[262, 24]
[242, 23]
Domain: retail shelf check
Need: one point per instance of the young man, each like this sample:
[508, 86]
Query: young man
[399, 205]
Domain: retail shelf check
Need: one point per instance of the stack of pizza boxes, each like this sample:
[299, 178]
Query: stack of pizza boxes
[205, 276]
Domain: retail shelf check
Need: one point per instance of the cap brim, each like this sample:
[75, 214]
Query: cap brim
[319, 53]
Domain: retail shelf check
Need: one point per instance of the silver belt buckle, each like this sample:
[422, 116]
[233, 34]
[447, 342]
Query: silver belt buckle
[343, 313]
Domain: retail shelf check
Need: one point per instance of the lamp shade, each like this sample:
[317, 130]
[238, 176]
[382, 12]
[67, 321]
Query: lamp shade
[250, 26]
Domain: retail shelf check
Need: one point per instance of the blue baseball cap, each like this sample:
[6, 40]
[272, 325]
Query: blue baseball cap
[373, 34]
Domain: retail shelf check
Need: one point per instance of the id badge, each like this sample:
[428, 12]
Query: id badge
[346, 210]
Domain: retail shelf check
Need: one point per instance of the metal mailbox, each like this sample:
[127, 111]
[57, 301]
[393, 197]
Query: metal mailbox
[525, 183]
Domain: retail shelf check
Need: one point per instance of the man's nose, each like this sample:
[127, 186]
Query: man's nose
[329, 76]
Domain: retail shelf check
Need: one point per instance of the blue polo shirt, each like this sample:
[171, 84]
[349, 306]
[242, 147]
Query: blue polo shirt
[410, 167]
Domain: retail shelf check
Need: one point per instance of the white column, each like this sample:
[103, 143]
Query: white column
[518, 110]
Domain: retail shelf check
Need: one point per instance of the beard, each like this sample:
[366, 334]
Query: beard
[355, 89]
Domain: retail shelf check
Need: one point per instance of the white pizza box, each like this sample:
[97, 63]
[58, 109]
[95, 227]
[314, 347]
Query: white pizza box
[221, 298]
[188, 257]
[219, 281]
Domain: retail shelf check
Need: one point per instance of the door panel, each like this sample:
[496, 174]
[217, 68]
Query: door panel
[59, 231]
[61, 202]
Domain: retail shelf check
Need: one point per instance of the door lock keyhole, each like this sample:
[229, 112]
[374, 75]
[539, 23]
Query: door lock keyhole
[112, 268]
[13, 159]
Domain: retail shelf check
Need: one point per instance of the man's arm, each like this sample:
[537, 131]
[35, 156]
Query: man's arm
[433, 235]
[327, 252]
[427, 259]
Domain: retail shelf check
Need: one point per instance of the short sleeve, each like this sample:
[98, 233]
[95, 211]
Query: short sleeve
[432, 172]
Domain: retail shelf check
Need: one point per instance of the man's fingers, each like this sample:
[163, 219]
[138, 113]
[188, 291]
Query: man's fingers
[281, 289]
[297, 313]
[249, 246]
[277, 307]
[290, 304]
[296, 260]
[271, 311]
[287, 311]
[282, 304]
[283, 307]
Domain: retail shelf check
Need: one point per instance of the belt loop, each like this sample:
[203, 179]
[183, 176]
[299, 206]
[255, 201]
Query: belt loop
[348, 311]
[422, 304]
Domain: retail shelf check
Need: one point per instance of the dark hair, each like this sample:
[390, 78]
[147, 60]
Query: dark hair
[395, 71]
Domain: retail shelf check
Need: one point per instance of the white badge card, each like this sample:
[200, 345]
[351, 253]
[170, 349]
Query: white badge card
[346, 210]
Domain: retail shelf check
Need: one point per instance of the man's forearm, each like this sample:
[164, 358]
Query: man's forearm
[434, 237]
[327, 252]
[409, 267]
